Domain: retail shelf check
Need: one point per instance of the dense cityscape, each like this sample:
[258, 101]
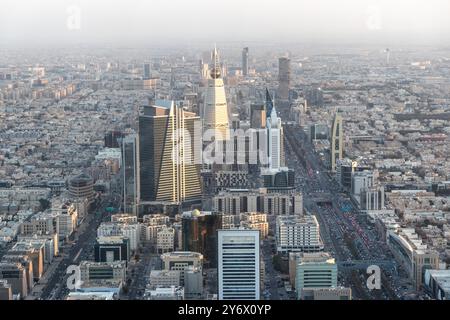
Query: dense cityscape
[227, 171]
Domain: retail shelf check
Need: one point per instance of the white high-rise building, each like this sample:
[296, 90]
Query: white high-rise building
[215, 110]
[275, 143]
[239, 264]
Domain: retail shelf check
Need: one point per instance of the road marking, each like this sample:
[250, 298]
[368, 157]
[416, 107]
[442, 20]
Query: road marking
[78, 254]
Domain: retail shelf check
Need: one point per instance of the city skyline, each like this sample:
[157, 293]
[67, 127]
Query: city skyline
[270, 150]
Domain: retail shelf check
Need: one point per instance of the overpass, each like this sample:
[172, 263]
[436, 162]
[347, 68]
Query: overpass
[364, 264]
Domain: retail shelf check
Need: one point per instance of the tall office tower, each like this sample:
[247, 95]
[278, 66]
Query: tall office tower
[199, 233]
[168, 169]
[337, 141]
[130, 171]
[257, 116]
[275, 140]
[284, 78]
[146, 74]
[215, 109]
[269, 103]
[245, 61]
[239, 264]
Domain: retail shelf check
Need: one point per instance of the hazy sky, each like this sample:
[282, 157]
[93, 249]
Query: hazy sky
[153, 21]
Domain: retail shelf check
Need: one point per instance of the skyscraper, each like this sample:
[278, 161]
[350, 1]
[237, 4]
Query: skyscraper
[245, 61]
[239, 264]
[130, 167]
[275, 142]
[257, 116]
[199, 232]
[284, 78]
[146, 73]
[168, 170]
[337, 141]
[215, 110]
[269, 103]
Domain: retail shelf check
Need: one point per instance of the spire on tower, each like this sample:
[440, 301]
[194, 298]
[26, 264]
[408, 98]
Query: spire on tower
[215, 72]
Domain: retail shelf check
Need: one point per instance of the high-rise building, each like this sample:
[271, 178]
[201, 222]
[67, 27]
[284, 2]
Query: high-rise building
[257, 116]
[268, 103]
[337, 141]
[146, 73]
[199, 232]
[239, 264]
[275, 140]
[215, 110]
[372, 198]
[130, 171]
[362, 180]
[245, 61]
[284, 78]
[112, 139]
[81, 187]
[168, 169]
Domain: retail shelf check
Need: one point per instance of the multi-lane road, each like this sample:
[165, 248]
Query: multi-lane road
[346, 233]
[81, 248]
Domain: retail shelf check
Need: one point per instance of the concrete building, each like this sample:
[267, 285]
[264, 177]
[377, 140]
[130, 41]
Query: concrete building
[362, 180]
[115, 270]
[255, 221]
[171, 293]
[337, 293]
[437, 283]
[284, 78]
[5, 290]
[372, 199]
[66, 219]
[239, 264]
[237, 201]
[82, 186]
[180, 260]
[257, 117]
[130, 231]
[193, 283]
[165, 240]
[17, 276]
[315, 270]
[414, 255]
[165, 278]
[298, 234]
[112, 248]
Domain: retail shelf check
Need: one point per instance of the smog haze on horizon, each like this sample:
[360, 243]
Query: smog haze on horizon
[47, 22]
